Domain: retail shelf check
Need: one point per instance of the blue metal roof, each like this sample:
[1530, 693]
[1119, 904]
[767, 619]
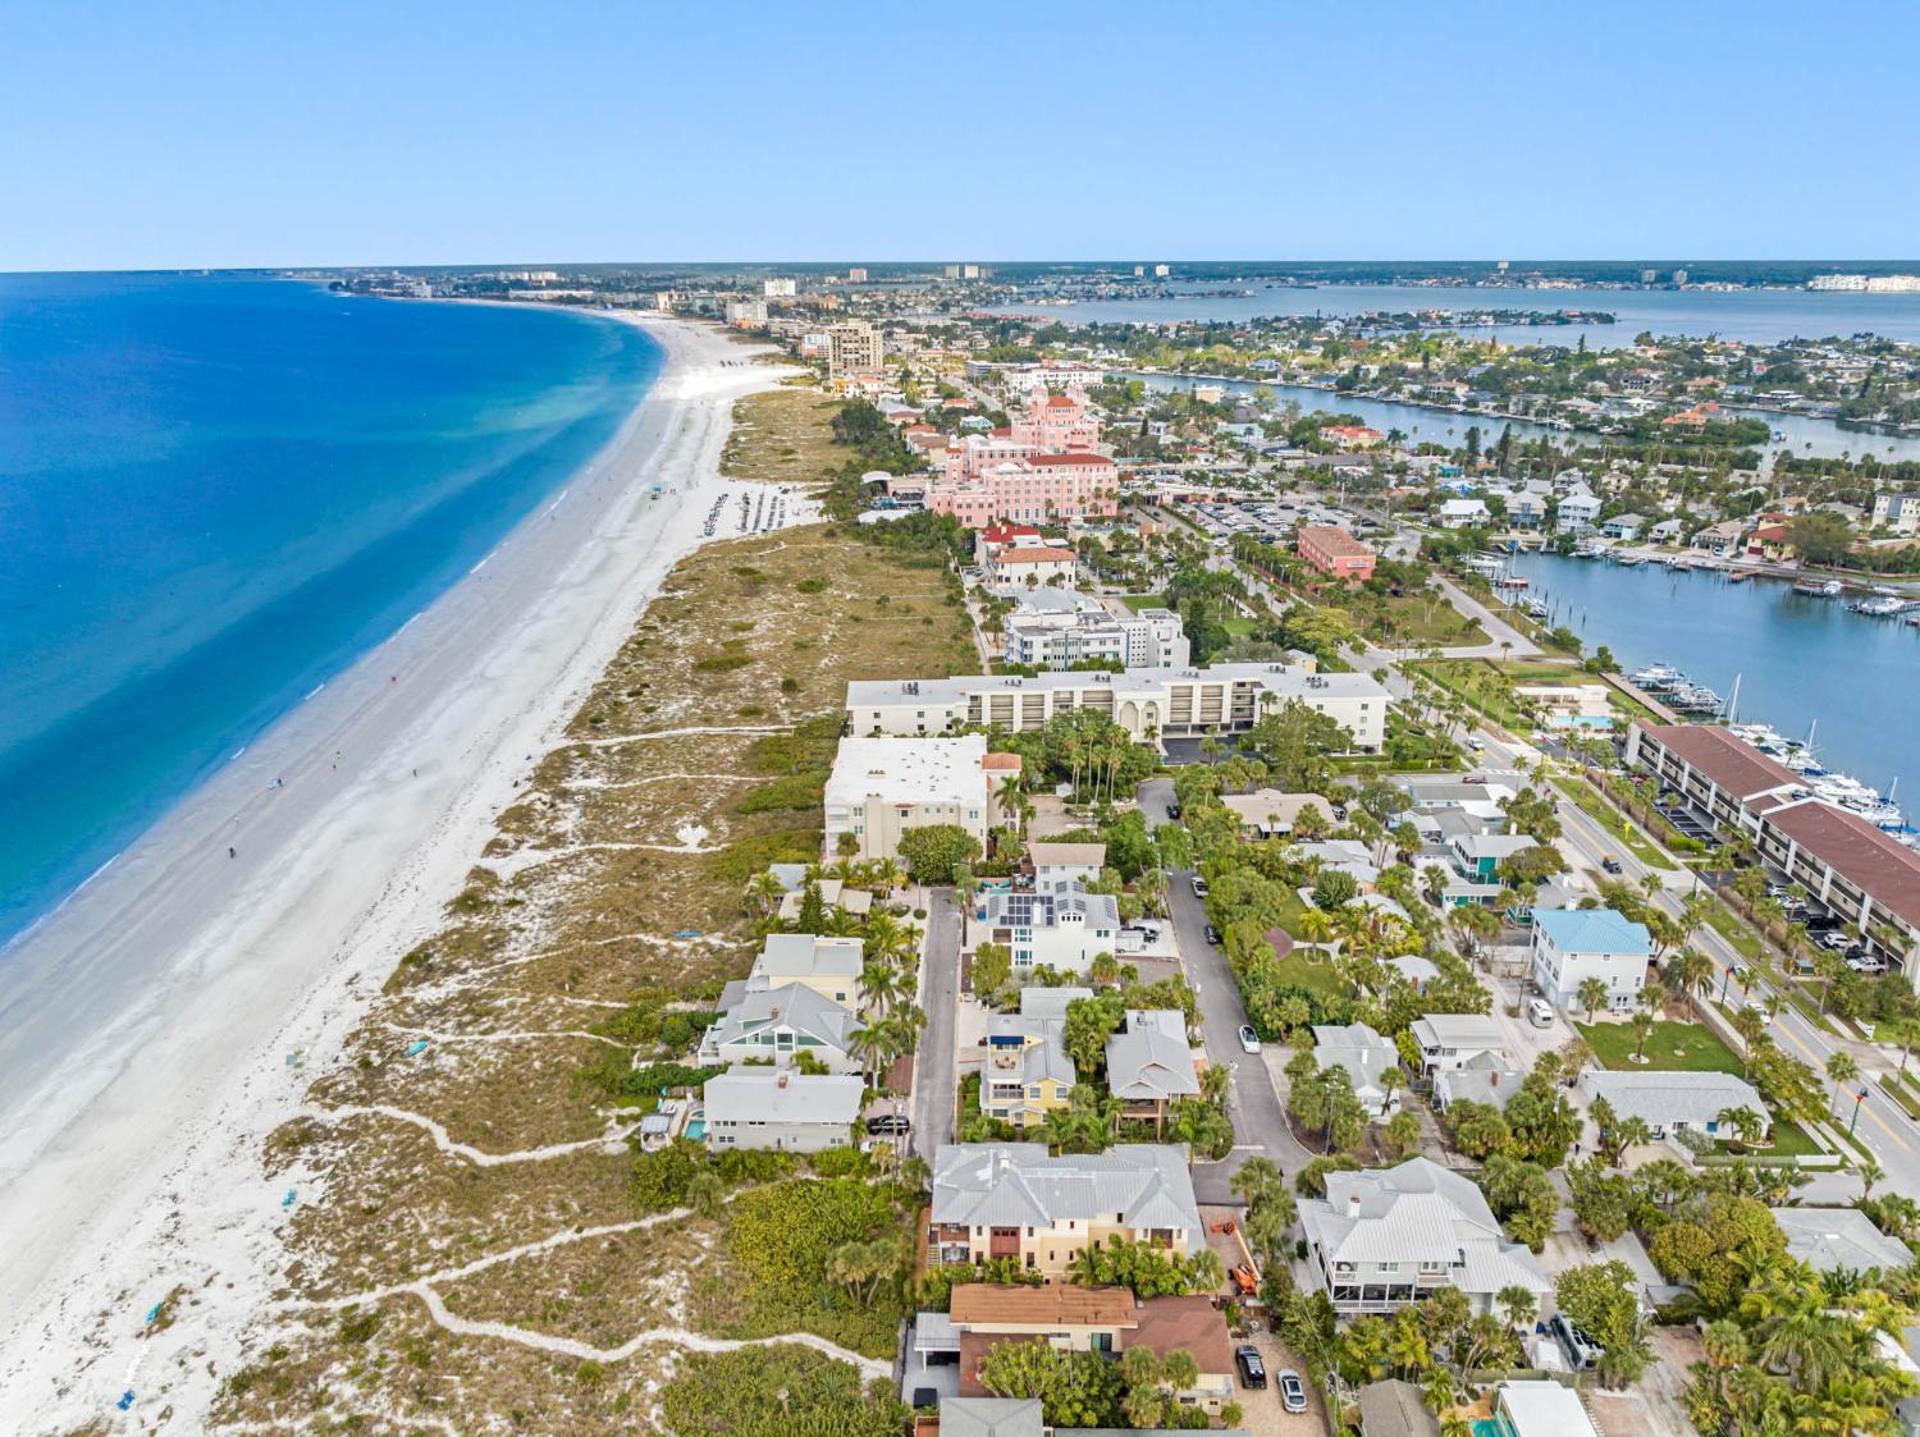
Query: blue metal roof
[1593, 930]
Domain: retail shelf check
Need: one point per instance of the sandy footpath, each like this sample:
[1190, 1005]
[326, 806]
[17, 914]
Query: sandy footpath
[156, 1029]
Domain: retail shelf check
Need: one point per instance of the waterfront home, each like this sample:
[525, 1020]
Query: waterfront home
[1065, 929]
[881, 787]
[1452, 1040]
[1027, 1073]
[781, 1110]
[1674, 1103]
[1578, 511]
[1841, 1239]
[1384, 1238]
[993, 1200]
[776, 1025]
[1056, 867]
[1147, 703]
[1725, 537]
[1150, 1063]
[829, 966]
[1334, 551]
[1269, 813]
[1462, 514]
[1899, 513]
[1366, 1057]
[1667, 531]
[1107, 1320]
[1625, 527]
[1867, 877]
[1571, 945]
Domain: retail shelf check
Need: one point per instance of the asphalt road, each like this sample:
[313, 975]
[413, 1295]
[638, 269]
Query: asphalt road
[1259, 1125]
[933, 1075]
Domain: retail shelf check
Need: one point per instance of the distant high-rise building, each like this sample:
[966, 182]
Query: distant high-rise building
[953, 271]
[747, 313]
[1139, 271]
[779, 289]
[973, 271]
[856, 275]
[1838, 281]
[1893, 283]
[1679, 276]
[1501, 266]
[1161, 271]
[853, 347]
[1648, 276]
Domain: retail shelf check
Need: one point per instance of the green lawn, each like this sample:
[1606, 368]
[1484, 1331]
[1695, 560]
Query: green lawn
[1589, 801]
[1671, 1047]
[1319, 976]
[1744, 940]
[1790, 1140]
[1241, 628]
[1137, 602]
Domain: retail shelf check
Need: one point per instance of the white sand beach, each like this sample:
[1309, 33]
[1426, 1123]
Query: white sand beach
[160, 1025]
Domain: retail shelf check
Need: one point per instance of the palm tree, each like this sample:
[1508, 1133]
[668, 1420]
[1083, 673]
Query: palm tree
[1642, 1023]
[1592, 993]
[1870, 1173]
[1689, 974]
[764, 891]
[1844, 1069]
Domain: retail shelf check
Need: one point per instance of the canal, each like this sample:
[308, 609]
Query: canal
[1800, 661]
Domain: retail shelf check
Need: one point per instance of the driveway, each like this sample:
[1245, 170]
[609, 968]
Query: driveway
[1653, 1407]
[934, 1089]
[1263, 1415]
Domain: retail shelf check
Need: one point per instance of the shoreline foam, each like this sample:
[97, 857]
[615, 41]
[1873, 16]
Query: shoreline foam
[168, 1003]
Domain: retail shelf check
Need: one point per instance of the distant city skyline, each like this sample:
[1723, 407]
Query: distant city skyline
[206, 135]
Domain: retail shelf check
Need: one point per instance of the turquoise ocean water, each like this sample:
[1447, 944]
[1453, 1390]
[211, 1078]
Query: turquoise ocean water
[216, 492]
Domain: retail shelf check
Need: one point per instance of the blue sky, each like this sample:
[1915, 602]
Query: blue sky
[191, 133]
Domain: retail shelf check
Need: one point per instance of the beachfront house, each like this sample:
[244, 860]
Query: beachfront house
[1571, 945]
[829, 966]
[781, 1110]
[994, 1200]
[1384, 1238]
[776, 1025]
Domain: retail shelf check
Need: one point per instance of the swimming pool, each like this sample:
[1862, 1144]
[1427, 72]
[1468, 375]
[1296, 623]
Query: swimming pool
[696, 1130]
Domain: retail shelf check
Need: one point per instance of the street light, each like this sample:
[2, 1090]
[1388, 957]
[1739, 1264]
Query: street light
[1858, 1098]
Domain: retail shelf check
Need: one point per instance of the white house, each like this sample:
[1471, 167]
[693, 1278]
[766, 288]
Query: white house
[1060, 866]
[1064, 930]
[1463, 514]
[1031, 564]
[829, 966]
[1365, 1055]
[786, 1111]
[1384, 1238]
[1671, 1103]
[1571, 945]
[776, 1025]
[1624, 526]
[1452, 1040]
[1577, 513]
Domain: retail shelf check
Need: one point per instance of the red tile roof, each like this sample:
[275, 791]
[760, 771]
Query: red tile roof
[1331, 540]
[1738, 768]
[1031, 555]
[1886, 870]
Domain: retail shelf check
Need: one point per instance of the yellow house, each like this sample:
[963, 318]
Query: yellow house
[1027, 1073]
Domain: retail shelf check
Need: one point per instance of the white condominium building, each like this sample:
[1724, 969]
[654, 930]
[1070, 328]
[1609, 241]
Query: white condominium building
[881, 787]
[1168, 702]
[853, 347]
[1057, 628]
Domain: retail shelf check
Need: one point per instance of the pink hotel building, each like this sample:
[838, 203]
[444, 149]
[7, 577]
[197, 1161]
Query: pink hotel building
[1044, 467]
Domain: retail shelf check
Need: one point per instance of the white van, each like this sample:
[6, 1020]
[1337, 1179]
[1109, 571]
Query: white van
[1540, 1013]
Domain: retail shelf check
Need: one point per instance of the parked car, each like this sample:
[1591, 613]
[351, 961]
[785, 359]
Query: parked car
[1173, 811]
[1249, 1040]
[1253, 1372]
[1866, 963]
[890, 1125]
[1834, 941]
[1293, 1392]
[1540, 1013]
[1213, 935]
[1582, 1351]
[1610, 863]
[1199, 886]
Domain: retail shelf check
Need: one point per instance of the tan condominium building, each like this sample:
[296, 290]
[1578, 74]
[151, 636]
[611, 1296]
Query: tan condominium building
[853, 347]
[881, 787]
[1157, 703]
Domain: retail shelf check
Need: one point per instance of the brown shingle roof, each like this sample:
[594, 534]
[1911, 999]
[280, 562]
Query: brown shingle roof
[1885, 869]
[1184, 1324]
[1057, 1304]
[1738, 768]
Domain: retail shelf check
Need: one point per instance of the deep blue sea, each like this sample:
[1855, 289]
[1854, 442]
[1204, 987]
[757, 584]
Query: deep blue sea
[217, 491]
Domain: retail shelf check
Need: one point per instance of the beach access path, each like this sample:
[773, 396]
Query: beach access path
[163, 1022]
